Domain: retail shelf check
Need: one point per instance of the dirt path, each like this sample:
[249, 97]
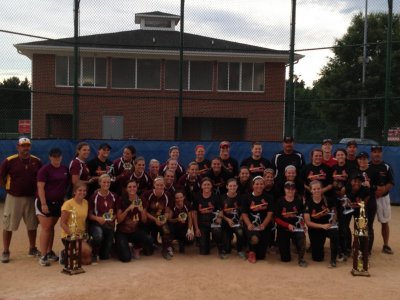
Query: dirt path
[192, 276]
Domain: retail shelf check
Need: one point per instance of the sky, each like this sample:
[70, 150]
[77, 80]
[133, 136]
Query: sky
[264, 23]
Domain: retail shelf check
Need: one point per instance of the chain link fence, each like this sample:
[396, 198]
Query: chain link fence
[236, 56]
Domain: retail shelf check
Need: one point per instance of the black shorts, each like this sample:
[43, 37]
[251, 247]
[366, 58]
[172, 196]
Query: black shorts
[54, 208]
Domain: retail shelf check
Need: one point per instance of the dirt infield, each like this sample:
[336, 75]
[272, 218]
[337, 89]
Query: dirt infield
[192, 276]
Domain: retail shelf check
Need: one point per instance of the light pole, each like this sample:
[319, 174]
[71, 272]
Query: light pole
[180, 104]
[364, 66]
[388, 71]
[75, 108]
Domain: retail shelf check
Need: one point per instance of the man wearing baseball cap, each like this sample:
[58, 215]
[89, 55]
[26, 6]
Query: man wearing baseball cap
[18, 174]
[287, 156]
[385, 184]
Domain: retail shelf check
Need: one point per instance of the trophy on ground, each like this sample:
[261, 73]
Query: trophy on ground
[73, 247]
[360, 244]
[299, 225]
[214, 223]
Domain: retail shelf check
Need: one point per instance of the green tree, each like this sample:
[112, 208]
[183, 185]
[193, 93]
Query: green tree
[15, 105]
[341, 80]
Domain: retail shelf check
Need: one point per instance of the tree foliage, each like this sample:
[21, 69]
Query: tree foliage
[335, 99]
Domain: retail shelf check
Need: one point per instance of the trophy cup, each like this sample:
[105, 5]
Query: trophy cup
[73, 247]
[137, 202]
[214, 223]
[333, 220]
[110, 172]
[108, 216]
[299, 225]
[161, 218]
[360, 244]
[347, 209]
[257, 221]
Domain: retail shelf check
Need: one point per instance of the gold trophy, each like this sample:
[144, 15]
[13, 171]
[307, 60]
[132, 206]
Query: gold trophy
[360, 244]
[108, 216]
[73, 247]
[182, 217]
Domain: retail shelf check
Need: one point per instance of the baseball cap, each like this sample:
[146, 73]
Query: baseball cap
[224, 144]
[288, 139]
[290, 185]
[103, 146]
[376, 148]
[362, 154]
[324, 141]
[352, 143]
[24, 141]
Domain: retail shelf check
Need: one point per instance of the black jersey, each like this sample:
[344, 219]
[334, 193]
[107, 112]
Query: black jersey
[385, 173]
[281, 160]
[288, 212]
[231, 207]
[206, 208]
[340, 176]
[257, 166]
[257, 207]
[219, 180]
[231, 165]
[204, 166]
[319, 212]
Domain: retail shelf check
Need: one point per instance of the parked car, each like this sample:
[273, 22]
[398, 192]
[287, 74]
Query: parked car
[359, 141]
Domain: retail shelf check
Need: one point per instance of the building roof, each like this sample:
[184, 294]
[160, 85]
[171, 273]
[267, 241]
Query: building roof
[153, 41]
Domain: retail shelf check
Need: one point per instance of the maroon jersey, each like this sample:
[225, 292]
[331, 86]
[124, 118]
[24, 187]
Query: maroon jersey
[56, 182]
[79, 167]
[133, 219]
[156, 205]
[122, 171]
[100, 205]
[143, 181]
[19, 175]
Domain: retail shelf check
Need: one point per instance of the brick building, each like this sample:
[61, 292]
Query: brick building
[129, 81]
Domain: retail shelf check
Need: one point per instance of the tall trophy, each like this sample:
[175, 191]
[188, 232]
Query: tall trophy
[214, 223]
[73, 247]
[360, 244]
[299, 225]
[333, 220]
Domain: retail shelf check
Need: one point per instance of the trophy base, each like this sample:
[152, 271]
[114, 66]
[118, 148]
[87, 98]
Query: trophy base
[298, 230]
[72, 271]
[334, 227]
[215, 226]
[349, 211]
[360, 273]
[235, 225]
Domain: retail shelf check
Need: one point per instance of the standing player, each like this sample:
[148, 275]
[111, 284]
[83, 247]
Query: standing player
[203, 163]
[351, 160]
[52, 184]
[98, 166]
[123, 167]
[256, 163]
[78, 168]
[327, 157]
[386, 182]
[228, 162]
[288, 156]
[18, 174]
[173, 155]
[218, 175]
[144, 182]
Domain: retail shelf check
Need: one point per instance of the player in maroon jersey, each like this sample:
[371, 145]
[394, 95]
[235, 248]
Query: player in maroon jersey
[78, 168]
[140, 176]
[123, 167]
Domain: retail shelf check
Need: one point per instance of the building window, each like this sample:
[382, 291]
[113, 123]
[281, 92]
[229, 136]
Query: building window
[241, 77]
[172, 75]
[201, 75]
[123, 73]
[148, 74]
[93, 71]
[157, 23]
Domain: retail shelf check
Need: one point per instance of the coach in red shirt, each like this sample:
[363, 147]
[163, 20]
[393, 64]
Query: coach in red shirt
[18, 175]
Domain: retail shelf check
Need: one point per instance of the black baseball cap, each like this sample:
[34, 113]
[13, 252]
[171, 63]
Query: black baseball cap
[362, 154]
[104, 146]
[352, 143]
[376, 148]
[55, 152]
[288, 139]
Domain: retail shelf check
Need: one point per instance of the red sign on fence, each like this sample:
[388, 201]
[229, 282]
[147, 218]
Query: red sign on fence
[394, 134]
[24, 126]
